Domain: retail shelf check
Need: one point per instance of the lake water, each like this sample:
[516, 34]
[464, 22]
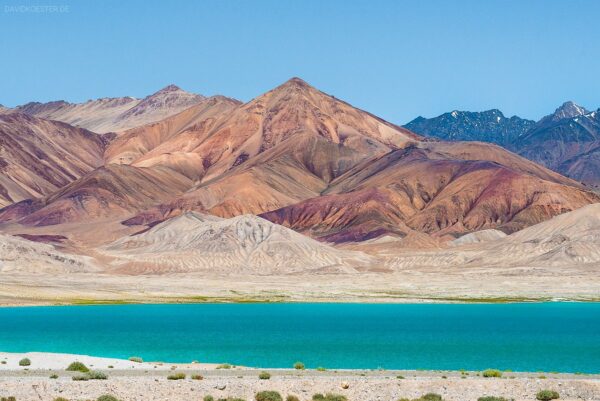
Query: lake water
[522, 337]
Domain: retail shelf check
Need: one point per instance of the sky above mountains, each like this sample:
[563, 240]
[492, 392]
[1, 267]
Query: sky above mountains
[397, 59]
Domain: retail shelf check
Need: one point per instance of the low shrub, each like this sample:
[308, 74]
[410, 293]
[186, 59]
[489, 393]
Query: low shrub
[25, 362]
[321, 369]
[431, 397]
[299, 366]
[231, 399]
[54, 376]
[95, 375]
[80, 378]
[107, 397]
[3, 362]
[292, 397]
[11, 398]
[268, 396]
[329, 397]
[60, 399]
[490, 398]
[197, 377]
[491, 373]
[136, 359]
[208, 398]
[547, 395]
[264, 376]
[77, 367]
[224, 366]
[176, 376]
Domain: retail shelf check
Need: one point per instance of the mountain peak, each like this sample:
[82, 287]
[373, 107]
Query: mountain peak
[169, 88]
[568, 110]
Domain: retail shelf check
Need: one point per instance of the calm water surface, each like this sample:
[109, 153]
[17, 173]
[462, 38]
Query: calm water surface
[522, 337]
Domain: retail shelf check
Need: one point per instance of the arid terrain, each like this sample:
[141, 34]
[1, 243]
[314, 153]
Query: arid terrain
[148, 381]
[294, 195]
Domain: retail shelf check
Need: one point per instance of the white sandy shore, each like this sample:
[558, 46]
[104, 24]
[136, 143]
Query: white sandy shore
[148, 381]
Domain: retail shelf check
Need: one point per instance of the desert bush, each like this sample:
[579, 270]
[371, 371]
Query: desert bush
[11, 398]
[321, 369]
[268, 396]
[197, 377]
[292, 397]
[490, 398]
[299, 366]
[176, 376]
[77, 367]
[25, 362]
[264, 376]
[60, 399]
[329, 397]
[80, 378]
[208, 398]
[231, 399]
[136, 359]
[224, 366]
[547, 395]
[491, 373]
[95, 375]
[431, 397]
[107, 397]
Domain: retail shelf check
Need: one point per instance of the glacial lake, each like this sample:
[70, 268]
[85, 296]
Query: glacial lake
[562, 337]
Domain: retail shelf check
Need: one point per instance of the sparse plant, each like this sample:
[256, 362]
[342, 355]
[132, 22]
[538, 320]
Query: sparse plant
[491, 373]
[25, 362]
[264, 376]
[547, 395]
[107, 397]
[176, 376]
[299, 366]
[95, 375]
[268, 396]
[491, 398]
[224, 366]
[321, 369]
[11, 398]
[136, 359]
[197, 377]
[208, 398]
[399, 377]
[292, 397]
[80, 378]
[77, 367]
[54, 376]
[431, 397]
[329, 397]
[60, 399]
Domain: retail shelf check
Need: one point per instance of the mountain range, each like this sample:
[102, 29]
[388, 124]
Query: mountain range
[566, 141]
[295, 181]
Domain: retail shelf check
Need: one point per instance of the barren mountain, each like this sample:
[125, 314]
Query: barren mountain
[437, 188]
[39, 157]
[18, 255]
[488, 126]
[567, 141]
[244, 244]
[115, 114]
[106, 193]
[312, 163]
[278, 149]
[568, 241]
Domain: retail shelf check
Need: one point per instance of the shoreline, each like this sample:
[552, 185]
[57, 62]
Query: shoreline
[232, 300]
[129, 381]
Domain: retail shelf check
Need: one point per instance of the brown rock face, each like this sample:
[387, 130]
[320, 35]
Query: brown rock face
[306, 160]
[38, 157]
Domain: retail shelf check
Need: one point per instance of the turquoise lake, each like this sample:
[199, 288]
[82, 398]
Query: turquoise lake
[561, 337]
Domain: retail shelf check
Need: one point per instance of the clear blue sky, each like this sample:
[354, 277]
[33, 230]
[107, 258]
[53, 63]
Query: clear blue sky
[397, 59]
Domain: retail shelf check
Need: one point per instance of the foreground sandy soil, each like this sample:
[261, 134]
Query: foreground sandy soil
[148, 382]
